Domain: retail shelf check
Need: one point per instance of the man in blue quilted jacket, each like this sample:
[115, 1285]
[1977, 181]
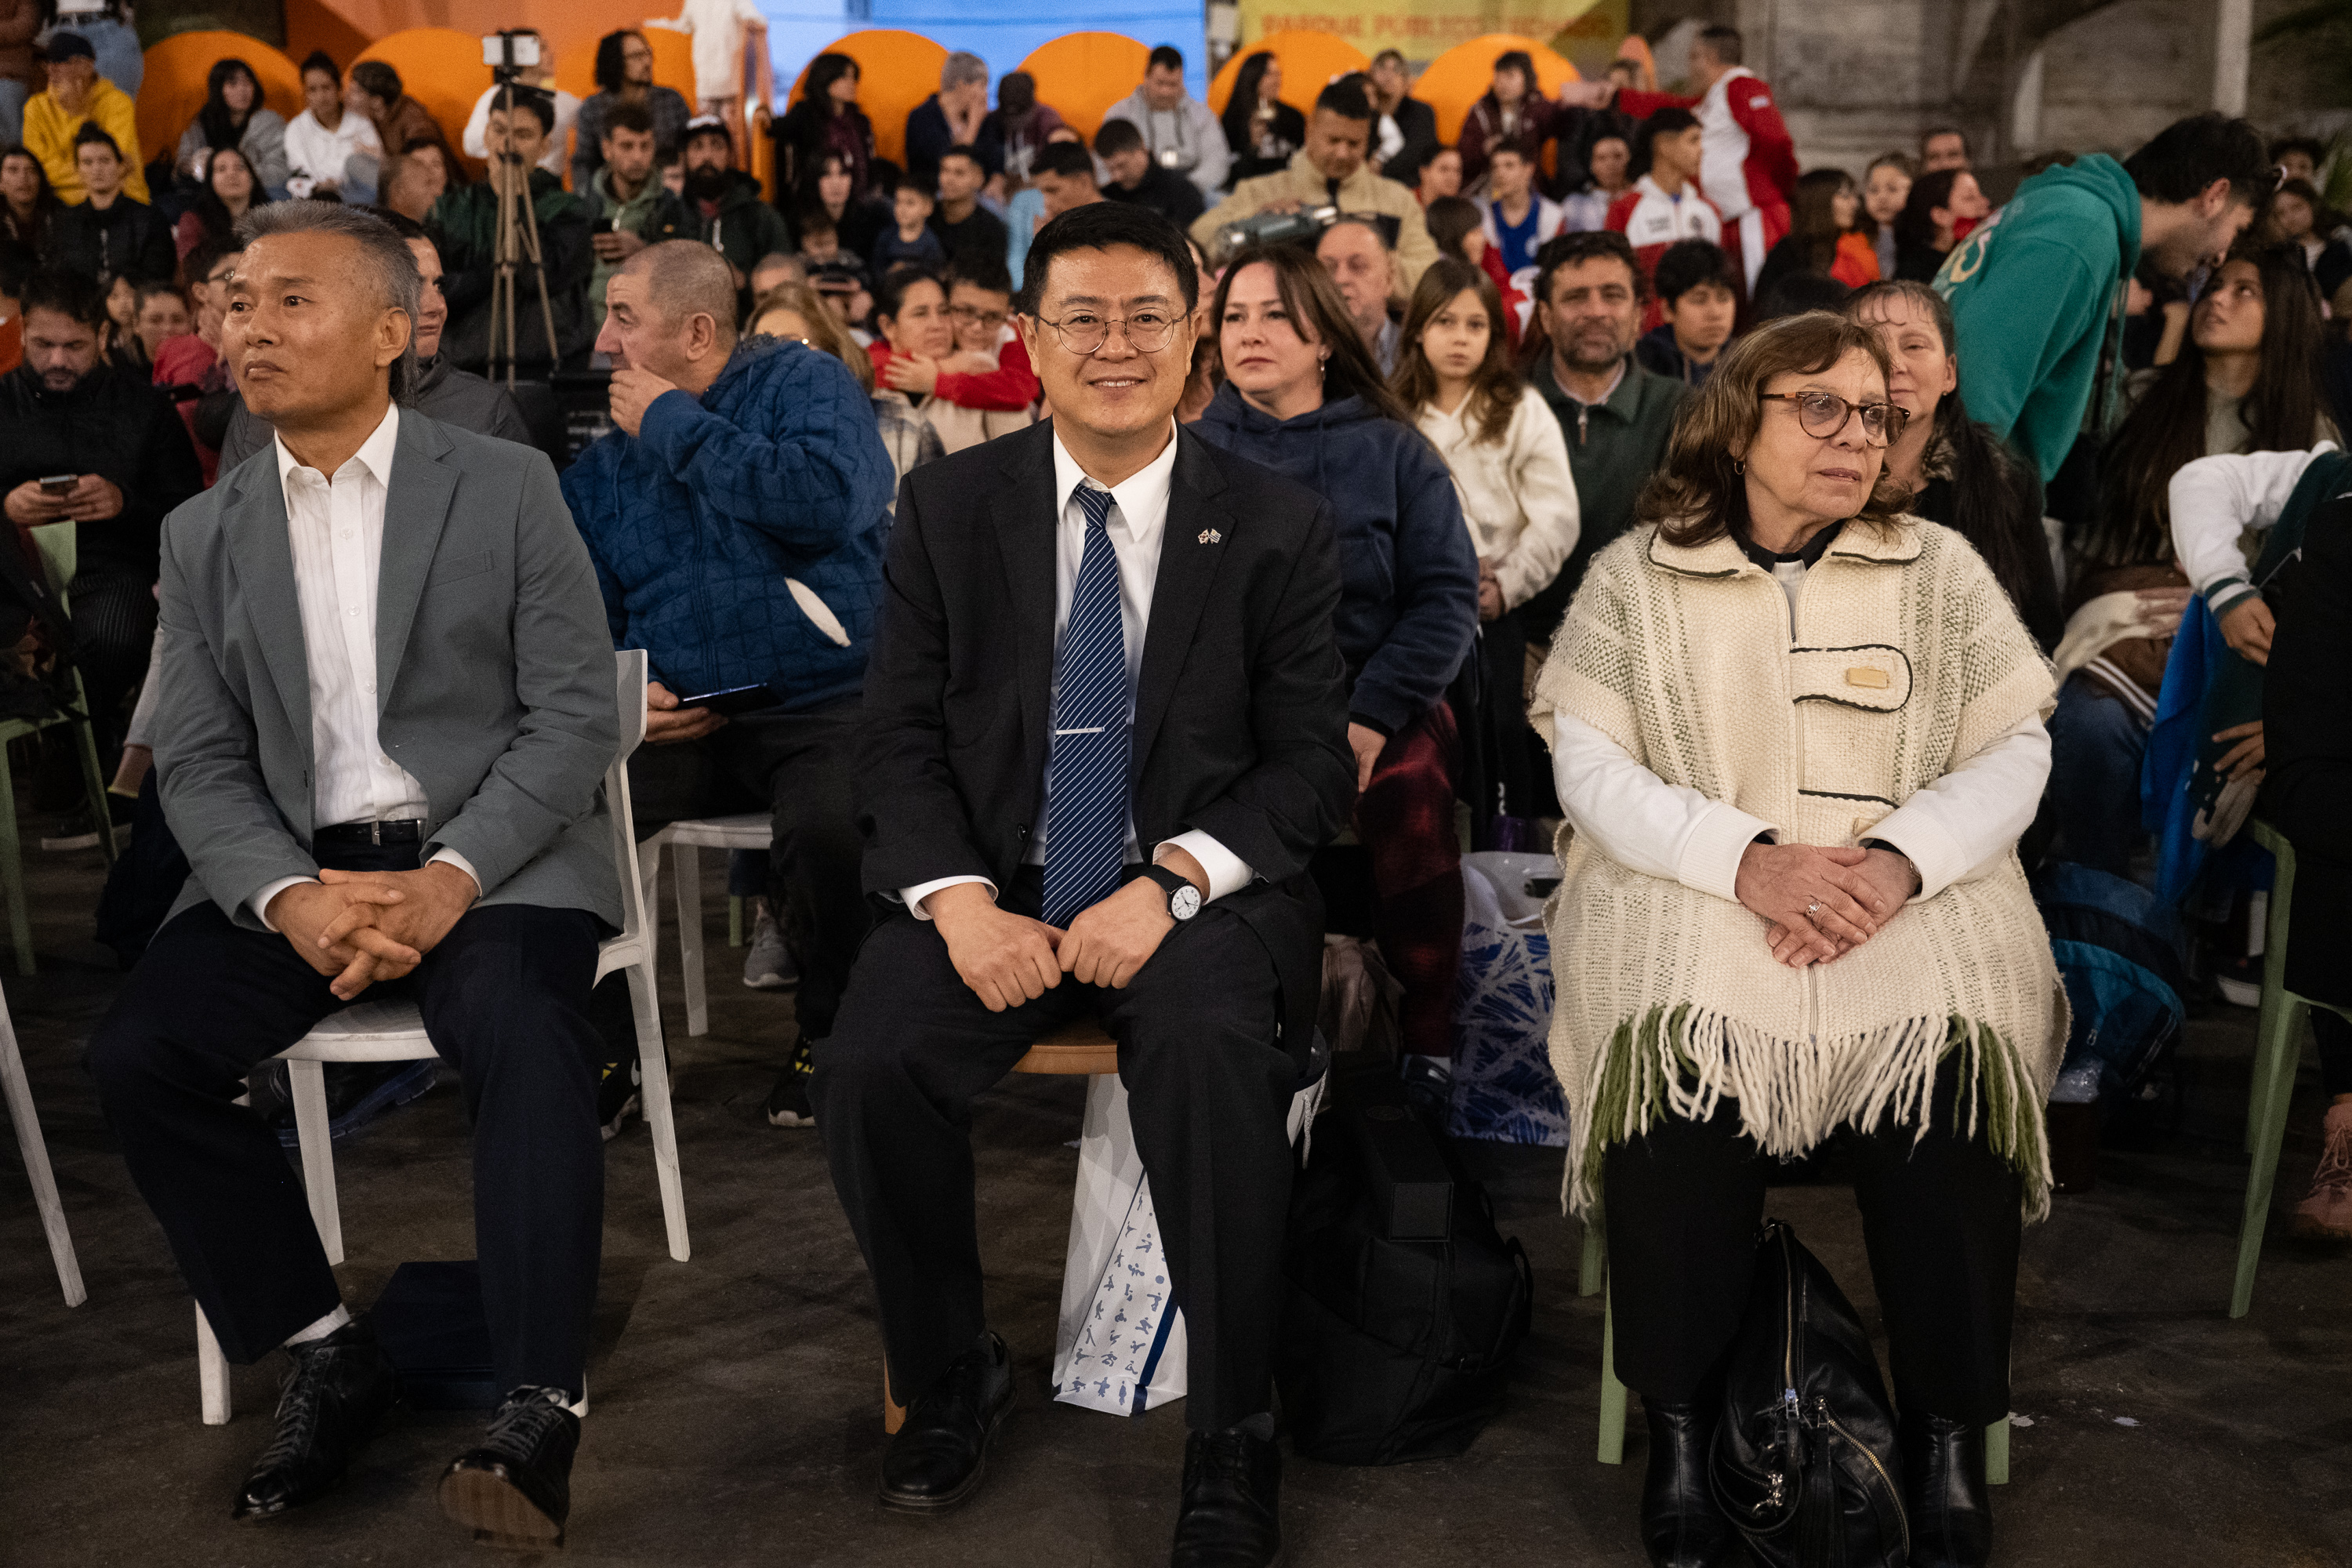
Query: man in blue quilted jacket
[737, 517]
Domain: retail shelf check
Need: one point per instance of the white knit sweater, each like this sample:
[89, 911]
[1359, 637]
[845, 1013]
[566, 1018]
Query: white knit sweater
[1909, 659]
[1517, 494]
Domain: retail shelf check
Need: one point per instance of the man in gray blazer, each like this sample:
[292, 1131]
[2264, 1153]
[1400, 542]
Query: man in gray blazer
[385, 721]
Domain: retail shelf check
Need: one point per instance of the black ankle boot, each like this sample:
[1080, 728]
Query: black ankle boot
[1944, 1492]
[1681, 1526]
[335, 1395]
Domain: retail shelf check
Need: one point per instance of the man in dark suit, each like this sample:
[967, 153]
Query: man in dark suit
[1105, 727]
[387, 703]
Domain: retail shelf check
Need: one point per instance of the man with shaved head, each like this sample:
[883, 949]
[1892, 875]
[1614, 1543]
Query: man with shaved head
[384, 720]
[736, 514]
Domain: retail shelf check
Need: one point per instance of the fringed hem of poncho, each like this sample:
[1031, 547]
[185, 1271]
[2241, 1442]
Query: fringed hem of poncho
[1793, 1094]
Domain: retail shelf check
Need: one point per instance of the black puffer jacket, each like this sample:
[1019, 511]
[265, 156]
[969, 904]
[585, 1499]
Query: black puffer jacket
[116, 427]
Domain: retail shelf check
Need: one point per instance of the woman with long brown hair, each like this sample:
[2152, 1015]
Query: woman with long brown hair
[1823, 240]
[1303, 397]
[1797, 735]
[1509, 462]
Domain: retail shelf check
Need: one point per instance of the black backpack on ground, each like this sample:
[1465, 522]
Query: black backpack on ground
[1804, 1463]
[1404, 1305]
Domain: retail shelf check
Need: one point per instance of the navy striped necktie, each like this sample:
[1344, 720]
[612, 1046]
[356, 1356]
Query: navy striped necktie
[1086, 770]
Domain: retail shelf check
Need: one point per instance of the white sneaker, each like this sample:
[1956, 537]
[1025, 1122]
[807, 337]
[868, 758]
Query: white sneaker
[769, 966]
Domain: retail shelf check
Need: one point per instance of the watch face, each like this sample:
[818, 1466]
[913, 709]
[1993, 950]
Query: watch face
[1184, 902]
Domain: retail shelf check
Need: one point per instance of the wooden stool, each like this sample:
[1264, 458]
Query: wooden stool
[1079, 1047]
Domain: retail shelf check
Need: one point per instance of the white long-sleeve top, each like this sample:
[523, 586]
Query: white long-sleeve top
[2217, 501]
[317, 154]
[1517, 495]
[334, 527]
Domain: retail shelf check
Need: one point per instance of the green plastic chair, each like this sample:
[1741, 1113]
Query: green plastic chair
[1591, 1276]
[55, 542]
[2278, 1046]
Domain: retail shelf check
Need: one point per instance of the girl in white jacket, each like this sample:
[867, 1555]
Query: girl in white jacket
[1510, 463]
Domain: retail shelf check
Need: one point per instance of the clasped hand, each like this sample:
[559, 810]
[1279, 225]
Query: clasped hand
[358, 928]
[1009, 959]
[1822, 901]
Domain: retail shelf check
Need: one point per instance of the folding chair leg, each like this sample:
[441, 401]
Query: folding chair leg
[93, 782]
[36, 1149]
[308, 1082]
[1589, 1268]
[212, 1373]
[652, 1064]
[2274, 1063]
[689, 876]
[12, 870]
[1997, 1453]
[734, 920]
[1612, 1393]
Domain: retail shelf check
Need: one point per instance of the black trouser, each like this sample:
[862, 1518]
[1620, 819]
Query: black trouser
[1940, 1220]
[1210, 1089]
[505, 999]
[114, 634]
[796, 765]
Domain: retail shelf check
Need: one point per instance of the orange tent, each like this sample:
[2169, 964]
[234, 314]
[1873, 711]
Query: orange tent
[1081, 75]
[174, 86]
[896, 71]
[1460, 76]
[1309, 59]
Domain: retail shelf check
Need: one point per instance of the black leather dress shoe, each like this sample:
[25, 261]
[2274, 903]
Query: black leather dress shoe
[334, 1397]
[515, 1488]
[1680, 1525]
[1944, 1492]
[939, 1456]
[1233, 1493]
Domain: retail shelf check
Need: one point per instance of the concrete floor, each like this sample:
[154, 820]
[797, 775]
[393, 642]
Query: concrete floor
[735, 1397]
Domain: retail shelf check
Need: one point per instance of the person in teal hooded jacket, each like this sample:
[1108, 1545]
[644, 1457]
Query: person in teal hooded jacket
[2037, 292]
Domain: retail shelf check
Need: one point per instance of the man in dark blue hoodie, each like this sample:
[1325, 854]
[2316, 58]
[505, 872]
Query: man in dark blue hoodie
[737, 519]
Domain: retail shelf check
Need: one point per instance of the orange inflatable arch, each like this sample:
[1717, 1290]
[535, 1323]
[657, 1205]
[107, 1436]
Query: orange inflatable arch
[896, 71]
[1081, 75]
[441, 69]
[1460, 76]
[1309, 59]
[174, 89]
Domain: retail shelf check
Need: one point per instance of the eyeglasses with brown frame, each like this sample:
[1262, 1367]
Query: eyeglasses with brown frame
[1822, 415]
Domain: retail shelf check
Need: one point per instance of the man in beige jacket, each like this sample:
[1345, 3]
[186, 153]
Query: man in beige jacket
[1330, 171]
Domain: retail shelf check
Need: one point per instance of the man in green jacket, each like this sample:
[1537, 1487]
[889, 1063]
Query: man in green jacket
[725, 206]
[465, 226]
[2037, 293]
[1616, 415]
[633, 209]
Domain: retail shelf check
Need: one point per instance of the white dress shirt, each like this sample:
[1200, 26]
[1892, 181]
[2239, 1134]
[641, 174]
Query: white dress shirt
[1138, 520]
[335, 527]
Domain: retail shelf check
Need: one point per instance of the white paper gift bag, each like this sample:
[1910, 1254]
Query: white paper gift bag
[1119, 1347]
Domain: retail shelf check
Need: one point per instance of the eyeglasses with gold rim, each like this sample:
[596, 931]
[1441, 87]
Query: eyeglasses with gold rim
[1083, 332]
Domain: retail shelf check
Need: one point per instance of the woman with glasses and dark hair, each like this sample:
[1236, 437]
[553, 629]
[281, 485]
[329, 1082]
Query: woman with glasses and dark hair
[1263, 133]
[1303, 397]
[825, 121]
[234, 116]
[1796, 734]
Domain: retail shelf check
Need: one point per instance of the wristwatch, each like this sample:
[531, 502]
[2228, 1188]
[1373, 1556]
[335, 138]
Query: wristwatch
[1183, 899]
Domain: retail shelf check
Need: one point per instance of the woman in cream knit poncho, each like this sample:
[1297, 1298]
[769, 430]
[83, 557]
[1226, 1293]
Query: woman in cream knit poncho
[1796, 735]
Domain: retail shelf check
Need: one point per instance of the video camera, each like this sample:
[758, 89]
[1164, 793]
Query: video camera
[1271, 228]
[508, 55]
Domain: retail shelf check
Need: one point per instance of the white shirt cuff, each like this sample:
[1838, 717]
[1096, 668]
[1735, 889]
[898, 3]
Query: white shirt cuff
[259, 902]
[1228, 872]
[1709, 859]
[913, 897]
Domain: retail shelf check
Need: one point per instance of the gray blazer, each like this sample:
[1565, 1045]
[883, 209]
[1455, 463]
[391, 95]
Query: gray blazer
[494, 675]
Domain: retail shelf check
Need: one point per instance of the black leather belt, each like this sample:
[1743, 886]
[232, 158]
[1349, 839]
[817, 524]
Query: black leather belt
[408, 830]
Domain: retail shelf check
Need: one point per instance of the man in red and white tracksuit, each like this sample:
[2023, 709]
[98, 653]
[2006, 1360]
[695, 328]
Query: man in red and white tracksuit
[1749, 168]
[1665, 204]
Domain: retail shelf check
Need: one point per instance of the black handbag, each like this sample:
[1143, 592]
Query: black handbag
[1804, 1463]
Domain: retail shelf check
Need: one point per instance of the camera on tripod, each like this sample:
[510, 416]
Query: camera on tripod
[508, 55]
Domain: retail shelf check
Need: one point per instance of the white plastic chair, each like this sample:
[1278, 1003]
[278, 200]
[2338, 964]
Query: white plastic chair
[394, 1032]
[752, 830]
[35, 1151]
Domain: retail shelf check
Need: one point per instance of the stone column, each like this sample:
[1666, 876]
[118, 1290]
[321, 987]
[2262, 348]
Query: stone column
[2234, 27]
